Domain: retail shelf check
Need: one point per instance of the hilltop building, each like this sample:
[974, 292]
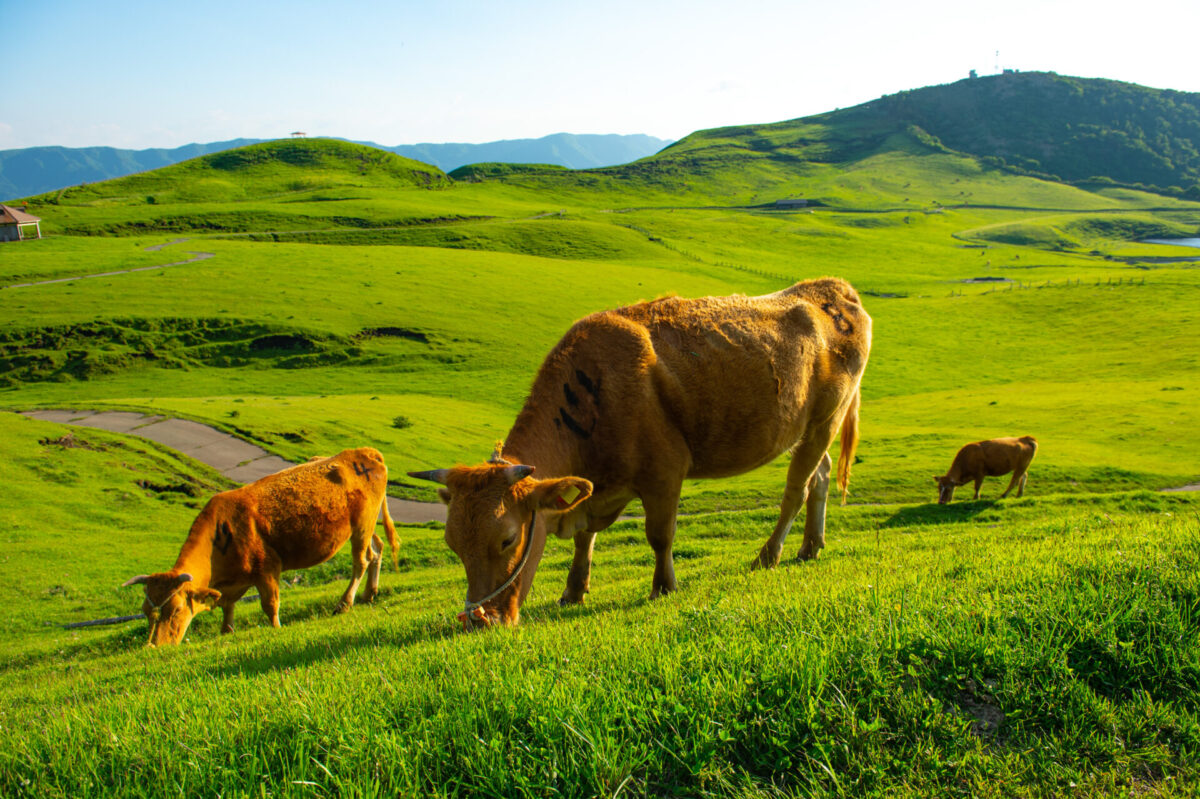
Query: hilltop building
[16, 225]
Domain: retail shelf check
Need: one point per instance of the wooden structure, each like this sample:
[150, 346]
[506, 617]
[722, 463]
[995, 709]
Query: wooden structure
[16, 225]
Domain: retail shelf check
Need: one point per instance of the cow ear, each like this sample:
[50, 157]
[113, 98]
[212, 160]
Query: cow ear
[334, 474]
[444, 495]
[560, 495]
[204, 599]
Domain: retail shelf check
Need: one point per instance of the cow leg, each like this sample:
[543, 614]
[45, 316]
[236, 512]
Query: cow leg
[1021, 486]
[579, 578]
[360, 556]
[228, 603]
[661, 510]
[805, 461]
[1018, 482]
[268, 595]
[814, 511]
[979, 485]
[372, 589]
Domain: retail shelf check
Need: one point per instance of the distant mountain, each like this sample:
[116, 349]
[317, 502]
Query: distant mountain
[35, 170]
[574, 151]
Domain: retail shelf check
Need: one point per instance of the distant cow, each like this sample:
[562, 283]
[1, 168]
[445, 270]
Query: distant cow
[248, 536]
[988, 459]
[633, 401]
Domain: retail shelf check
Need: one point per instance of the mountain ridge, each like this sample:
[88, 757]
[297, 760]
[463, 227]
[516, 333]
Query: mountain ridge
[30, 171]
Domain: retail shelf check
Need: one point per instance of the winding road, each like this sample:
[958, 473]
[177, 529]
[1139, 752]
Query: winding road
[231, 456]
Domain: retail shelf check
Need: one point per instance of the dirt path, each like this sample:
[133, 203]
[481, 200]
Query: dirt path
[231, 456]
[196, 256]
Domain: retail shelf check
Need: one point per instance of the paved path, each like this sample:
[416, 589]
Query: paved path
[231, 456]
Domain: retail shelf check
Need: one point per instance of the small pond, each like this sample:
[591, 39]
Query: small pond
[1195, 242]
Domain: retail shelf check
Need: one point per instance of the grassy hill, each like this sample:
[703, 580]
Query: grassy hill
[1033, 647]
[1043, 124]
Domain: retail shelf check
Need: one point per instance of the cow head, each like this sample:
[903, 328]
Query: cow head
[946, 488]
[171, 603]
[490, 525]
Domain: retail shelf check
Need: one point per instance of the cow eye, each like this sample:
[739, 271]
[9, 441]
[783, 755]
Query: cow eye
[508, 542]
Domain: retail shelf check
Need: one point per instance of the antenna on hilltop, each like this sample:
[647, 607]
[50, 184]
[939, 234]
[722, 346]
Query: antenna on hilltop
[997, 62]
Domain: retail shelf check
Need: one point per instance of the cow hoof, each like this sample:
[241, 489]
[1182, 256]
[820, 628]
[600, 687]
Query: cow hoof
[342, 607]
[661, 591]
[808, 554]
[765, 560]
[565, 600]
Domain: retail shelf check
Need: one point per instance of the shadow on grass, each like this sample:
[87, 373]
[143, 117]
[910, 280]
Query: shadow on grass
[932, 513]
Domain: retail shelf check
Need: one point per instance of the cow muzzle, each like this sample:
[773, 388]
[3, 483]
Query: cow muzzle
[477, 619]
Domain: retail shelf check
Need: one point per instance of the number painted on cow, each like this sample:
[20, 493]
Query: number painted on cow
[362, 471]
[840, 322]
[223, 537]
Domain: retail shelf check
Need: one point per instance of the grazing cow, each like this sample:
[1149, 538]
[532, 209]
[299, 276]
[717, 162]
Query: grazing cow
[633, 401]
[988, 459]
[248, 536]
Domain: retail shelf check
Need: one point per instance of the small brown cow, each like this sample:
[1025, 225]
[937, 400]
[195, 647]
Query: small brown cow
[293, 519]
[988, 459]
[632, 402]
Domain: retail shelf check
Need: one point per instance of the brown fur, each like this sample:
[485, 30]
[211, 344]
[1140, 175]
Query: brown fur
[248, 536]
[633, 401]
[988, 459]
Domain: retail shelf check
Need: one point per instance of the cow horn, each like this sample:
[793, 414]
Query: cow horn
[141, 578]
[517, 473]
[434, 475]
[183, 578]
[498, 455]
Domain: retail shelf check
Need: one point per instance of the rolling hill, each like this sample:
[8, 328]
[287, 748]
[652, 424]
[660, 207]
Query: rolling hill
[1038, 646]
[34, 170]
[1047, 125]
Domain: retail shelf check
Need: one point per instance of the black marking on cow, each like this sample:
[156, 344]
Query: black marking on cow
[573, 425]
[572, 399]
[590, 386]
[223, 537]
[840, 322]
[362, 471]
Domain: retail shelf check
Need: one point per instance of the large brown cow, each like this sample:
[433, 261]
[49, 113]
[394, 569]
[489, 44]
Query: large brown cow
[988, 459]
[633, 401]
[248, 536]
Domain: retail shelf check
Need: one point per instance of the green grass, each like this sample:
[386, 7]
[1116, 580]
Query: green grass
[981, 649]
[1041, 646]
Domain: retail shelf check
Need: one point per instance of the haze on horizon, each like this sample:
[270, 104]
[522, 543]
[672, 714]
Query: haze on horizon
[149, 74]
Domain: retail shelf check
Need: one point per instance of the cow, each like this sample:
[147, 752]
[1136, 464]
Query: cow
[633, 401]
[248, 536]
[991, 458]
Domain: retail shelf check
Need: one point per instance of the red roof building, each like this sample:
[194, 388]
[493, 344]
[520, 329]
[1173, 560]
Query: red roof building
[16, 225]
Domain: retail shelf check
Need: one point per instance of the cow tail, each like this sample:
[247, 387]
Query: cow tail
[391, 533]
[849, 444]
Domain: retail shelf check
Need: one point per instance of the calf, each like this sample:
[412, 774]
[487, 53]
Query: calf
[988, 459]
[248, 536]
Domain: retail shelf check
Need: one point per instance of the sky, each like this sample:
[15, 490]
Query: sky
[137, 75]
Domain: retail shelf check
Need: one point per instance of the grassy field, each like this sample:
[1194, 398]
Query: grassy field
[1042, 646]
[1027, 647]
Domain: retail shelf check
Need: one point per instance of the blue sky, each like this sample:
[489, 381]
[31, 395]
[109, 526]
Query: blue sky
[164, 73]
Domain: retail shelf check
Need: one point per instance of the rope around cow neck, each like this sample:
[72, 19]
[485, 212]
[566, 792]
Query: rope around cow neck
[471, 606]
